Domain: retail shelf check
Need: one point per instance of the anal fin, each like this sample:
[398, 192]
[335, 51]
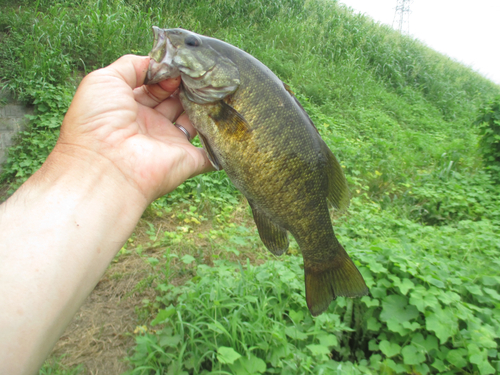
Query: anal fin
[331, 279]
[273, 236]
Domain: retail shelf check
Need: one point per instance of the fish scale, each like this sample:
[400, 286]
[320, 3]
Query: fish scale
[252, 126]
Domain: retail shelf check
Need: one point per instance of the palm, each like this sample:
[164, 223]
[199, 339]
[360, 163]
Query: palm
[139, 140]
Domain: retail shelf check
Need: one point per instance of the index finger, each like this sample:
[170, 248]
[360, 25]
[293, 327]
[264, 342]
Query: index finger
[152, 95]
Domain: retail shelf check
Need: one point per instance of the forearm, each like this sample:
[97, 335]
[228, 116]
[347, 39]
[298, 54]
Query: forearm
[58, 233]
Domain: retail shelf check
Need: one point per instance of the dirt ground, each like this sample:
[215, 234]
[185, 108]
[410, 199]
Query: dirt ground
[100, 335]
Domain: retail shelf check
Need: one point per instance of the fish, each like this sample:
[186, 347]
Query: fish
[252, 126]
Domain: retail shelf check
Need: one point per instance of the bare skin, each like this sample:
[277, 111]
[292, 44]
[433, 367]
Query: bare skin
[117, 152]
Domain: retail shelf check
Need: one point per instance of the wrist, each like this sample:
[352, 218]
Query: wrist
[90, 173]
[58, 233]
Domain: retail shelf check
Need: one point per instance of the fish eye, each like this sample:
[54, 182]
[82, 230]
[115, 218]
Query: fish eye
[192, 41]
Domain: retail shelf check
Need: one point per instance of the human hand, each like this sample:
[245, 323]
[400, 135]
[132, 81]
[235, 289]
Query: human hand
[114, 117]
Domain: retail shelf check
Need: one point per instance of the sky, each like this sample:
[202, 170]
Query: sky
[467, 31]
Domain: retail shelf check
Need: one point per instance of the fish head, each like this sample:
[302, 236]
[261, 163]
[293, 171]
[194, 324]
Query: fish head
[207, 75]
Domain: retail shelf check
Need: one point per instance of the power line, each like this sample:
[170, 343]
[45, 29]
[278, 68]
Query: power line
[401, 20]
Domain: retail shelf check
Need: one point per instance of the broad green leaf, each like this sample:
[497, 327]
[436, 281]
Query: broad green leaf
[421, 298]
[375, 361]
[377, 267]
[477, 358]
[373, 346]
[171, 341]
[473, 349]
[480, 359]
[428, 344]
[318, 349]
[248, 366]
[411, 326]
[434, 281]
[482, 336]
[491, 280]
[396, 308]
[372, 324]
[328, 339]
[448, 297]
[153, 261]
[404, 285]
[163, 315]
[278, 353]
[475, 289]
[439, 365]
[397, 327]
[388, 348]
[296, 316]
[187, 259]
[295, 334]
[492, 292]
[175, 369]
[422, 369]
[367, 275]
[485, 368]
[378, 292]
[397, 367]
[457, 357]
[412, 355]
[227, 355]
[369, 302]
[443, 322]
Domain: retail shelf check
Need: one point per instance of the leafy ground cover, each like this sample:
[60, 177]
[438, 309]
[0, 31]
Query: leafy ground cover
[416, 135]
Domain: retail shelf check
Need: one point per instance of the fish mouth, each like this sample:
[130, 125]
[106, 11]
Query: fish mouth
[162, 55]
[163, 63]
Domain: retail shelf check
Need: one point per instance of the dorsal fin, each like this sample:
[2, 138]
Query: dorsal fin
[338, 191]
[292, 94]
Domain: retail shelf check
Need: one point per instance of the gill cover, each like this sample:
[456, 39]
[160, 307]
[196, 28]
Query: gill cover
[207, 76]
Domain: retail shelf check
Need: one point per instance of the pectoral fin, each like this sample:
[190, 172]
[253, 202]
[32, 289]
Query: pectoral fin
[231, 123]
[210, 152]
[273, 236]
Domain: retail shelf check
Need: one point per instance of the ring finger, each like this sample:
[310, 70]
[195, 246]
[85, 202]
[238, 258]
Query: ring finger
[184, 121]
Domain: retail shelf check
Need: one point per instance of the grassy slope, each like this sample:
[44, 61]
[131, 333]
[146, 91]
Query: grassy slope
[397, 114]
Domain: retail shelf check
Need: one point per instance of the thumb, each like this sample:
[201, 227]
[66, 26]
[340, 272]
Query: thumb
[131, 69]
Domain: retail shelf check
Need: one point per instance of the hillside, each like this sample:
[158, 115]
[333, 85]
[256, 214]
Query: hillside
[424, 221]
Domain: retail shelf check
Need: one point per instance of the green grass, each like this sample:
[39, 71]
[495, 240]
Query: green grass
[426, 313]
[424, 219]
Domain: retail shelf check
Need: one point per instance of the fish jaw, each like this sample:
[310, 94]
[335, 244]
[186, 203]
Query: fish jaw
[162, 55]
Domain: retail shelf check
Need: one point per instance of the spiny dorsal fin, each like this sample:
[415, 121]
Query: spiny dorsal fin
[273, 236]
[292, 94]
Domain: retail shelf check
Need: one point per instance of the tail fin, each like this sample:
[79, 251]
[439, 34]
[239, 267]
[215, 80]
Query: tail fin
[328, 280]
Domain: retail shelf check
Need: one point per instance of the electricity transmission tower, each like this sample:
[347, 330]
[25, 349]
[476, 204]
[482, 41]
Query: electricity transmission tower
[401, 20]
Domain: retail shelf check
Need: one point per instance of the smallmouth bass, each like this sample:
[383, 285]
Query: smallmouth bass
[252, 126]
